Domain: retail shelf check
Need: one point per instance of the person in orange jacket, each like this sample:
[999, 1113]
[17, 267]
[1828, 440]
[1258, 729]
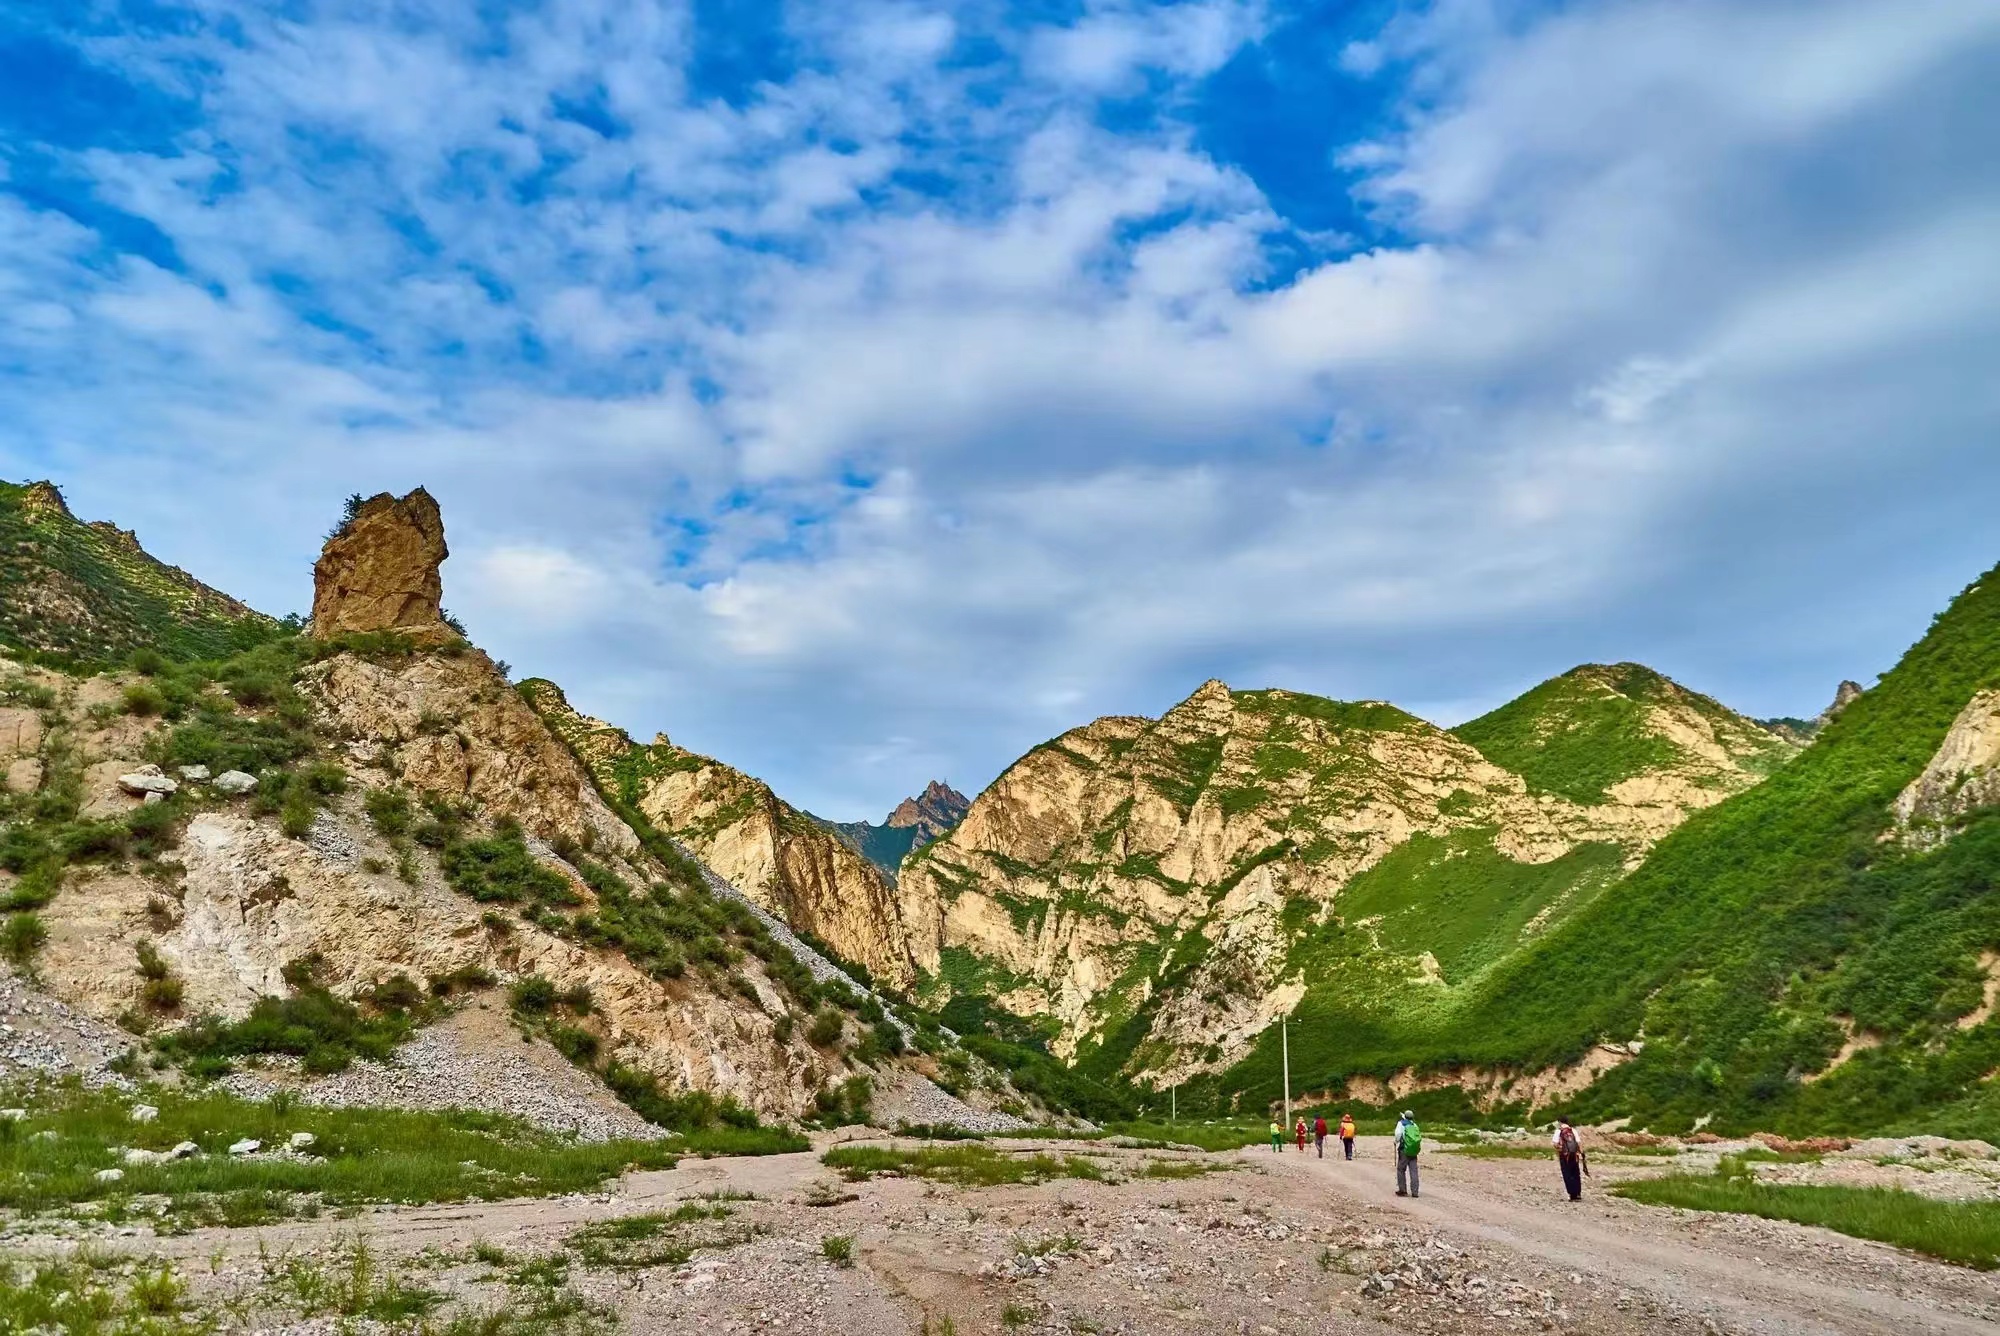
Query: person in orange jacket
[1319, 1135]
[1299, 1134]
[1347, 1134]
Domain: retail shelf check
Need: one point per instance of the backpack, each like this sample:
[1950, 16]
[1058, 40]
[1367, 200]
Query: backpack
[1410, 1139]
[1566, 1144]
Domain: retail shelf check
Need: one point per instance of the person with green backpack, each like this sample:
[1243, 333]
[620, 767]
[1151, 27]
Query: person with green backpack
[1408, 1140]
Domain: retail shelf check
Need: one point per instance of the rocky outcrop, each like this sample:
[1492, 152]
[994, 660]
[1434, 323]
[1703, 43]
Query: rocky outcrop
[778, 856]
[1844, 695]
[1167, 870]
[1962, 776]
[931, 813]
[379, 571]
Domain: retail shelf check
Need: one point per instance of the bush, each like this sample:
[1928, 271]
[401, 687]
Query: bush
[143, 699]
[147, 660]
[23, 935]
[532, 995]
[390, 810]
[826, 1028]
[838, 1248]
[163, 994]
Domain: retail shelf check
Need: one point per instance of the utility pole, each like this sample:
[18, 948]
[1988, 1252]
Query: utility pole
[1173, 1102]
[1285, 1043]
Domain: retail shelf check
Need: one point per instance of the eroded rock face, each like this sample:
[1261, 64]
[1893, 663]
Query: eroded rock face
[1169, 866]
[1963, 775]
[772, 852]
[380, 571]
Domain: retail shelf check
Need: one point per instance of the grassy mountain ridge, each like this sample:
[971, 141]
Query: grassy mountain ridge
[89, 594]
[1583, 733]
[1755, 940]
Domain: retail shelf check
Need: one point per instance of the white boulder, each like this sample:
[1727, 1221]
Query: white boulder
[299, 1140]
[247, 1146]
[234, 782]
[110, 1175]
[194, 774]
[185, 1150]
[144, 1113]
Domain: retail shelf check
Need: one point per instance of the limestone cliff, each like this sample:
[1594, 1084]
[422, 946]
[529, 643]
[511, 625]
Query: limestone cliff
[777, 855]
[1963, 776]
[1147, 884]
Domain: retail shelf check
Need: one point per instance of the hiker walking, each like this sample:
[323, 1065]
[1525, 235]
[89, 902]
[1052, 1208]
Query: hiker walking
[1319, 1135]
[1570, 1157]
[1277, 1137]
[1409, 1142]
[1347, 1134]
[1299, 1134]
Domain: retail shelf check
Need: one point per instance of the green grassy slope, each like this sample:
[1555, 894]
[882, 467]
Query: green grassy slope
[87, 593]
[1583, 732]
[1747, 932]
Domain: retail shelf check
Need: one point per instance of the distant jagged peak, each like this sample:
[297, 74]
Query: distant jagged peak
[937, 809]
[1844, 695]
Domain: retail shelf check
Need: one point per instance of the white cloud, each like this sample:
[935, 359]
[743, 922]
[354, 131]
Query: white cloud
[895, 398]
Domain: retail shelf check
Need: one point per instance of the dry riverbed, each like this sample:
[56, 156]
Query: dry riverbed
[1244, 1242]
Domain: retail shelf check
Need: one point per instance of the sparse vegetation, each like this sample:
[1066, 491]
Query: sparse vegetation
[967, 1165]
[1966, 1232]
[358, 1155]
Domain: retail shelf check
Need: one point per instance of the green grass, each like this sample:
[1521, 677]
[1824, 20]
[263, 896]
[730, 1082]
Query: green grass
[98, 1296]
[966, 1165]
[361, 1155]
[1967, 1233]
[1463, 900]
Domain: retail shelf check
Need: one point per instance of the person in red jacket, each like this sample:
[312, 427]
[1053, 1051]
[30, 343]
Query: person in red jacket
[1319, 1135]
[1299, 1134]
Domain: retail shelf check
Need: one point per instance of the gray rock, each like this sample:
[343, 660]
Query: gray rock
[136, 1156]
[144, 1113]
[152, 798]
[247, 1146]
[185, 1150]
[147, 779]
[234, 782]
[109, 1175]
[194, 773]
[299, 1140]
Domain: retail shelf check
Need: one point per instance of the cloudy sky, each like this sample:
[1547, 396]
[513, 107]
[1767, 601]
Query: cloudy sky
[865, 391]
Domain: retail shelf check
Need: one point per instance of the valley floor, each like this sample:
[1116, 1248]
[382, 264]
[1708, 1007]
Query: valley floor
[1258, 1243]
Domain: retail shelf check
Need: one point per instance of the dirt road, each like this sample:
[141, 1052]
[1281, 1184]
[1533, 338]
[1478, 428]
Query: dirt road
[1765, 1275]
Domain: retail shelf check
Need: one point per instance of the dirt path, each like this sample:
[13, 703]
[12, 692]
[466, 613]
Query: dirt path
[1767, 1275]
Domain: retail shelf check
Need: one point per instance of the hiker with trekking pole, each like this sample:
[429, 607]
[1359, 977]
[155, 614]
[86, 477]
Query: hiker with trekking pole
[1570, 1157]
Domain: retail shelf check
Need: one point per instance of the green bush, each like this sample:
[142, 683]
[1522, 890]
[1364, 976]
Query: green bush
[143, 699]
[826, 1029]
[533, 995]
[22, 936]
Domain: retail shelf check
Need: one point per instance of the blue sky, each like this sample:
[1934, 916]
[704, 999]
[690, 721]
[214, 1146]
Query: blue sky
[865, 392]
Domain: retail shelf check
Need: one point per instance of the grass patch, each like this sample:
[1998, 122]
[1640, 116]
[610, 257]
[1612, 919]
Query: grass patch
[1967, 1233]
[360, 1155]
[971, 1165]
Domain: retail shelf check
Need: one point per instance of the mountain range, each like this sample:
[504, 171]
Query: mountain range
[1613, 893]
